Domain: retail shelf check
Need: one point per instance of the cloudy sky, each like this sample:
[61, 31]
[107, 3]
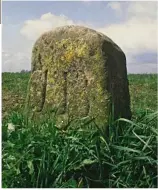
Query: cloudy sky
[132, 25]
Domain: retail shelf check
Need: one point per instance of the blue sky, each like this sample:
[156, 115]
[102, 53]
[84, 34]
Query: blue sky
[132, 25]
[87, 12]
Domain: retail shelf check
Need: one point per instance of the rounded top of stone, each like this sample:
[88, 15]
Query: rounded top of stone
[80, 30]
[74, 28]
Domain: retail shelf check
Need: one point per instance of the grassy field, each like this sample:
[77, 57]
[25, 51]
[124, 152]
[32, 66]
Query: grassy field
[40, 155]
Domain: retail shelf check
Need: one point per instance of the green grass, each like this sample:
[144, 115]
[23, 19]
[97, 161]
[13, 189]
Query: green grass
[143, 91]
[40, 155]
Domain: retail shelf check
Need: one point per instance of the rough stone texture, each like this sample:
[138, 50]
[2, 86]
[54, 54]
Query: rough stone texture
[78, 72]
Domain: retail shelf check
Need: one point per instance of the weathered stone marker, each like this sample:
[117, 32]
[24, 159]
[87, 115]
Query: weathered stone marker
[78, 72]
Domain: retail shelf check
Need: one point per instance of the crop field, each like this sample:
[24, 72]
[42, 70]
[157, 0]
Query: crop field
[38, 155]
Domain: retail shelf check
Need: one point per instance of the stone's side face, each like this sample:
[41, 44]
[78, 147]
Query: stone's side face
[78, 72]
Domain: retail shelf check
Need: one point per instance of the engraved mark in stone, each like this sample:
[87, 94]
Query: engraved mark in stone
[65, 92]
[44, 91]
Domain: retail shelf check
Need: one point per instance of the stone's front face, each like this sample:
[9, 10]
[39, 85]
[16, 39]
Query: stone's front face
[70, 76]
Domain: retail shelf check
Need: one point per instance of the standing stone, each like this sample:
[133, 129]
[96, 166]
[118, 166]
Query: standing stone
[78, 72]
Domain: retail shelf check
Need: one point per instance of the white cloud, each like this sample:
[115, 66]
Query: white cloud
[34, 28]
[138, 33]
[133, 35]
